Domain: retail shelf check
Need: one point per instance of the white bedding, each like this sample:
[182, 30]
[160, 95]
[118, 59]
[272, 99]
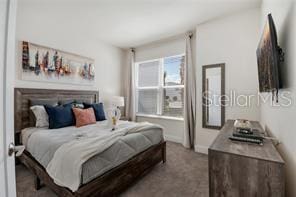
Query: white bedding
[71, 131]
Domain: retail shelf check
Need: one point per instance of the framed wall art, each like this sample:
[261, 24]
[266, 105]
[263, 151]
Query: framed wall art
[45, 64]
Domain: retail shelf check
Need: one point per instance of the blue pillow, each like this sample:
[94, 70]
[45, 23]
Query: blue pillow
[60, 116]
[99, 110]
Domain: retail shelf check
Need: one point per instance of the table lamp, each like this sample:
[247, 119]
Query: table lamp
[117, 102]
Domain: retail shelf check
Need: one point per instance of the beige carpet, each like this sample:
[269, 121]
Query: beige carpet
[184, 174]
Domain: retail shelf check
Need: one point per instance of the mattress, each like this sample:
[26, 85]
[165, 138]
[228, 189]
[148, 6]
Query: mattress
[46, 142]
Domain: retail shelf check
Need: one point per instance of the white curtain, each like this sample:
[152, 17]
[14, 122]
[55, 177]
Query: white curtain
[190, 96]
[130, 109]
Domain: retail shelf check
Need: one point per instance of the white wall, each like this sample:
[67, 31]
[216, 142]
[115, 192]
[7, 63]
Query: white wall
[173, 129]
[34, 24]
[167, 47]
[280, 121]
[231, 40]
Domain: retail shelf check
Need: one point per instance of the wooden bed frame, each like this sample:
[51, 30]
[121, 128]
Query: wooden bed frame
[111, 183]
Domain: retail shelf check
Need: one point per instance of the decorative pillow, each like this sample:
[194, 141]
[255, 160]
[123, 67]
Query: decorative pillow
[60, 116]
[40, 115]
[41, 102]
[84, 116]
[98, 109]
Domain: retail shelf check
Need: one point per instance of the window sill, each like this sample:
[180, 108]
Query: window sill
[160, 117]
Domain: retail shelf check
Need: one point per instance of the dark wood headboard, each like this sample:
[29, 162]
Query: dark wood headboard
[23, 96]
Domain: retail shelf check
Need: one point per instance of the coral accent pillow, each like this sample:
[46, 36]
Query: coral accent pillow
[84, 116]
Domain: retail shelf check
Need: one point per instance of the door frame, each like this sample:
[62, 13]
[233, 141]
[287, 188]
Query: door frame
[3, 21]
[8, 51]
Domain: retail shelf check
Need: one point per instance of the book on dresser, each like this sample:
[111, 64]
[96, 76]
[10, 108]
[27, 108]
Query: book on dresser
[245, 169]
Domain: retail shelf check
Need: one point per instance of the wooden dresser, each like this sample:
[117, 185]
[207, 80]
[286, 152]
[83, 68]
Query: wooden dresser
[239, 169]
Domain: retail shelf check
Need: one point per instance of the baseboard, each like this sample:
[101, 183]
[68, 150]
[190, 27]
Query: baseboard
[197, 148]
[172, 138]
[201, 149]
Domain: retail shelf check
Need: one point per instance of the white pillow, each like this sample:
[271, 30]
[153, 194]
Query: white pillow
[40, 115]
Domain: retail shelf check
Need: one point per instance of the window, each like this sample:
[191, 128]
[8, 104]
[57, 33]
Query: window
[160, 86]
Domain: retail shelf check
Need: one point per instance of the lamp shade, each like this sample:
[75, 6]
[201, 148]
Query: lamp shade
[118, 101]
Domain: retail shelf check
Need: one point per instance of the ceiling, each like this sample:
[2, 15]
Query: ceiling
[127, 23]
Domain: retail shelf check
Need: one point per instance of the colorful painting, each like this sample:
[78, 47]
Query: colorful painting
[50, 65]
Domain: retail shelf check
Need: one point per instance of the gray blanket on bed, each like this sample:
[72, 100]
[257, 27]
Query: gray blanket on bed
[119, 152]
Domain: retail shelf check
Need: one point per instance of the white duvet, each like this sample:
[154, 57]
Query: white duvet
[66, 165]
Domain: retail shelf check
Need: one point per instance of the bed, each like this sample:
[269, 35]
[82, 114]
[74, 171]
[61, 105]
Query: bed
[106, 174]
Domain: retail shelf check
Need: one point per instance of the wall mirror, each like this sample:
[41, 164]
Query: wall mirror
[213, 93]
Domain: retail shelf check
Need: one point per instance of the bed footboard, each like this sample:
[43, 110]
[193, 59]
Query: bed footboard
[111, 183]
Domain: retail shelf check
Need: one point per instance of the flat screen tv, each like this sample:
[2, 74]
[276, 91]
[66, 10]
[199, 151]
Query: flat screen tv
[269, 56]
